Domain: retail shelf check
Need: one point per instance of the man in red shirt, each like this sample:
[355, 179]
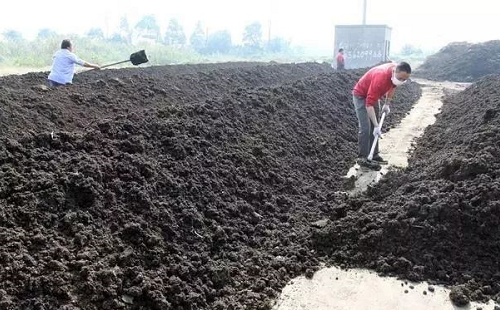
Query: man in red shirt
[378, 82]
[341, 60]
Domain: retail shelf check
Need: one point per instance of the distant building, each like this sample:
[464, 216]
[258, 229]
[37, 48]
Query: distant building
[364, 45]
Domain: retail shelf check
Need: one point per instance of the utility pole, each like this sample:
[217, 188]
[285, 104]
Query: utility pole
[364, 12]
[269, 34]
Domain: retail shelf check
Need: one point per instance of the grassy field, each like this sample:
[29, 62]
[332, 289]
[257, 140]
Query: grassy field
[38, 53]
[24, 56]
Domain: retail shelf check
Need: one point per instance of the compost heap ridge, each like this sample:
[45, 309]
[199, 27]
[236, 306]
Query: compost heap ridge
[27, 105]
[439, 219]
[462, 62]
[193, 200]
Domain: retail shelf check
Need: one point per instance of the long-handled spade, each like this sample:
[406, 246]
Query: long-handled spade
[136, 59]
[375, 141]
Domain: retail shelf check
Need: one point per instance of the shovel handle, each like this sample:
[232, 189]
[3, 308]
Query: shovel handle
[372, 151]
[105, 66]
[115, 63]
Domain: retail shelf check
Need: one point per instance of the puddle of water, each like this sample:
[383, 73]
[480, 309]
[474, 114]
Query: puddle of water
[336, 289]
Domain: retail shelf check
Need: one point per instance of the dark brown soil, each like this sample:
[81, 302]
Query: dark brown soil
[27, 106]
[170, 187]
[440, 218]
[462, 62]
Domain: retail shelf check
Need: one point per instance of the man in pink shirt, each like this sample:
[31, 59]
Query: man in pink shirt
[341, 60]
[378, 82]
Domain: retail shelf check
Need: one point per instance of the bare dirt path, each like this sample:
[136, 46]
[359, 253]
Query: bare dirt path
[336, 289]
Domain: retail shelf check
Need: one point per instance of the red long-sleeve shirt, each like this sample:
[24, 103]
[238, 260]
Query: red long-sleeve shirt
[375, 84]
[340, 58]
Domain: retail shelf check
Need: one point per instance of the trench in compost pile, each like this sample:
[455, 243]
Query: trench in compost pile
[334, 288]
[396, 143]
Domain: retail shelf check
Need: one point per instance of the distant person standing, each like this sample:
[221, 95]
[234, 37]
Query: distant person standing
[341, 60]
[63, 65]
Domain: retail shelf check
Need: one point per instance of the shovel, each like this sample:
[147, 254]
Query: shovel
[370, 157]
[136, 59]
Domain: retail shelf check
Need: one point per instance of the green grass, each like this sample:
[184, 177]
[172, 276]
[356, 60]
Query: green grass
[38, 53]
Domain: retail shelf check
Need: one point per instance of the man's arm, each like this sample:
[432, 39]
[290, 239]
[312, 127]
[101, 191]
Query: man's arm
[89, 65]
[389, 96]
[386, 108]
[83, 63]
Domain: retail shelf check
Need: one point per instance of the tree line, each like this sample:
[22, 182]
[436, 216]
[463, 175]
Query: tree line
[200, 40]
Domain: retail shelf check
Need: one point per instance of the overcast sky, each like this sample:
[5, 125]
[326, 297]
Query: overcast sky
[426, 23]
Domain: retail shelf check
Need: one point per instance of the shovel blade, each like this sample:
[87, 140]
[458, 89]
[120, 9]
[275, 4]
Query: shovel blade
[139, 58]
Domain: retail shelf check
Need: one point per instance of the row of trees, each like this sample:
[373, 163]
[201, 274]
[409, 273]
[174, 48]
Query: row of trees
[148, 29]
